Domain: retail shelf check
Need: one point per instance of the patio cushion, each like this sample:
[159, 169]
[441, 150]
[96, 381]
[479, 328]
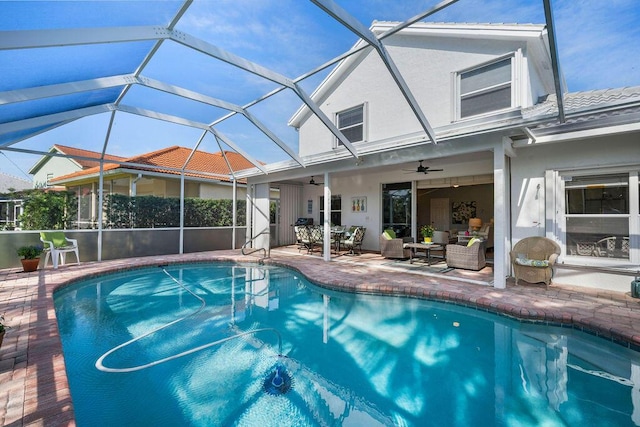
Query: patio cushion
[532, 262]
[389, 234]
[57, 238]
[473, 240]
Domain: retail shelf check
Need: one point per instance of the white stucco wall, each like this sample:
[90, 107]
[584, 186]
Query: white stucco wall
[529, 216]
[428, 67]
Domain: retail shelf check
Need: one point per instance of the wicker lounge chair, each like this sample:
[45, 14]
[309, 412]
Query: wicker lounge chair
[469, 257]
[392, 246]
[533, 259]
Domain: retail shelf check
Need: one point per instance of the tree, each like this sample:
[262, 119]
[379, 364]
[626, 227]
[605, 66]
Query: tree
[53, 210]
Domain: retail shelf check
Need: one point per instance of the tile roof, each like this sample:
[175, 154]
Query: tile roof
[175, 157]
[577, 102]
[78, 152]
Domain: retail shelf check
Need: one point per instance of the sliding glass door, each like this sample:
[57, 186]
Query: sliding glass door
[396, 208]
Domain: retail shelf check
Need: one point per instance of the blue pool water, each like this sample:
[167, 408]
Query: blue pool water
[353, 360]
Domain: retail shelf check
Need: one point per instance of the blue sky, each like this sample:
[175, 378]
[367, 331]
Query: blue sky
[598, 41]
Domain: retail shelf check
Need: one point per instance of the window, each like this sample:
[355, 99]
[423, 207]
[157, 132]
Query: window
[485, 89]
[597, 215]
[351, 124]
[86, 201]
[396, 208]
[336, 210]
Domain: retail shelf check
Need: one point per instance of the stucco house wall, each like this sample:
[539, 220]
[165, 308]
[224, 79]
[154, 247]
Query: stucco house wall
[428, 66]
[208, 191]
[55, 166]
[598, 155]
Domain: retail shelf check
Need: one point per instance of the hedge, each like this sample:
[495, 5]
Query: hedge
[58, 210]
[152, 211]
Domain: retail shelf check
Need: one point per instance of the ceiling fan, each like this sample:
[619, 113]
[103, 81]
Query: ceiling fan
[313, 182]
[423, 169]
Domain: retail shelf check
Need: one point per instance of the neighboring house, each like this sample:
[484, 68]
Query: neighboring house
[63, 160]
[488, 92]
[11, 209]
[13, 183]
[206, 176]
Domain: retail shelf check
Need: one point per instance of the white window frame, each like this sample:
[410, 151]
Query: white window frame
[558, 179]
[363, 106]
[332, 210]
[513, 84]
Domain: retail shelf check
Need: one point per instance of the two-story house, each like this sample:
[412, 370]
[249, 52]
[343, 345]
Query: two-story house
[469, 125]
[64, 160]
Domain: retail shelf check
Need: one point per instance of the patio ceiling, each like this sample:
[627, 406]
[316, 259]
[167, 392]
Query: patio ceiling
[104, 59]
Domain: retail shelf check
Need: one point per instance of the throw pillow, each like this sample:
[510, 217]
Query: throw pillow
[474, 240]
[532, 262]
[389, 234]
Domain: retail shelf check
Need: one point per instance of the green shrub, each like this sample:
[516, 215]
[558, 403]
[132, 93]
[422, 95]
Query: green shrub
[53, 210]
[152, 211]
[30, 252]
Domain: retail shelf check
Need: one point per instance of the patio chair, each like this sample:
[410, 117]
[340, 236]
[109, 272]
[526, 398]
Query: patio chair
[486, 232]
[533, 259]
[56, 246]
[355, 240]
[316, 237]
[302, 237]
[470, 256]
[392, 246]
[605, 247]
[441, 238]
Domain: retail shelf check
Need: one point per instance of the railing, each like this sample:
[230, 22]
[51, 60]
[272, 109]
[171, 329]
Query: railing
[248, 251]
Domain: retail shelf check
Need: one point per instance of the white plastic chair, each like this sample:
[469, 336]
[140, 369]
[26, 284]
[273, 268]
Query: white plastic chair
[57, 245]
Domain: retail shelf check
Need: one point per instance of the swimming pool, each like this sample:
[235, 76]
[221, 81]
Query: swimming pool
[352, 359]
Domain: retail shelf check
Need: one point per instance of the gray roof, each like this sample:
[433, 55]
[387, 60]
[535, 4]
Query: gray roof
[584, 102]
[8, 181]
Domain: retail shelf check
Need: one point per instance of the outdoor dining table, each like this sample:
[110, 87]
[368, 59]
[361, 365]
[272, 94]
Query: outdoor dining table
[337, 234]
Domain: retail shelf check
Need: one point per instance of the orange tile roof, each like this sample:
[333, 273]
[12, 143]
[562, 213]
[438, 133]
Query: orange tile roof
[175, 157]
[84, 163]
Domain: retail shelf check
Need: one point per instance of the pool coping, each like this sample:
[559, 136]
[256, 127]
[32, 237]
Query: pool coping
[35, 387]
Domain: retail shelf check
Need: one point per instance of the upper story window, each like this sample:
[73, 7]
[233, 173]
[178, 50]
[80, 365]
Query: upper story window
[351, 123]
[485, 89]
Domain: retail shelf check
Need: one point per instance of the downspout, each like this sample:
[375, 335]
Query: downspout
[134, 186]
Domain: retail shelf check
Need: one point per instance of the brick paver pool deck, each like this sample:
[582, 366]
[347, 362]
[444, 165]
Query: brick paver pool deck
[33, 384]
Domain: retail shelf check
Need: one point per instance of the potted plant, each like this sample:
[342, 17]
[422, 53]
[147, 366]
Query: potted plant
[427, 232]
[30, 257]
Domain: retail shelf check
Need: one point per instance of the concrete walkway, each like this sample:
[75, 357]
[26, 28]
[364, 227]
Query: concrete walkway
[33, 384]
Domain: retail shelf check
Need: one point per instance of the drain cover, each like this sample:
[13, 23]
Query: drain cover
[278, 382]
